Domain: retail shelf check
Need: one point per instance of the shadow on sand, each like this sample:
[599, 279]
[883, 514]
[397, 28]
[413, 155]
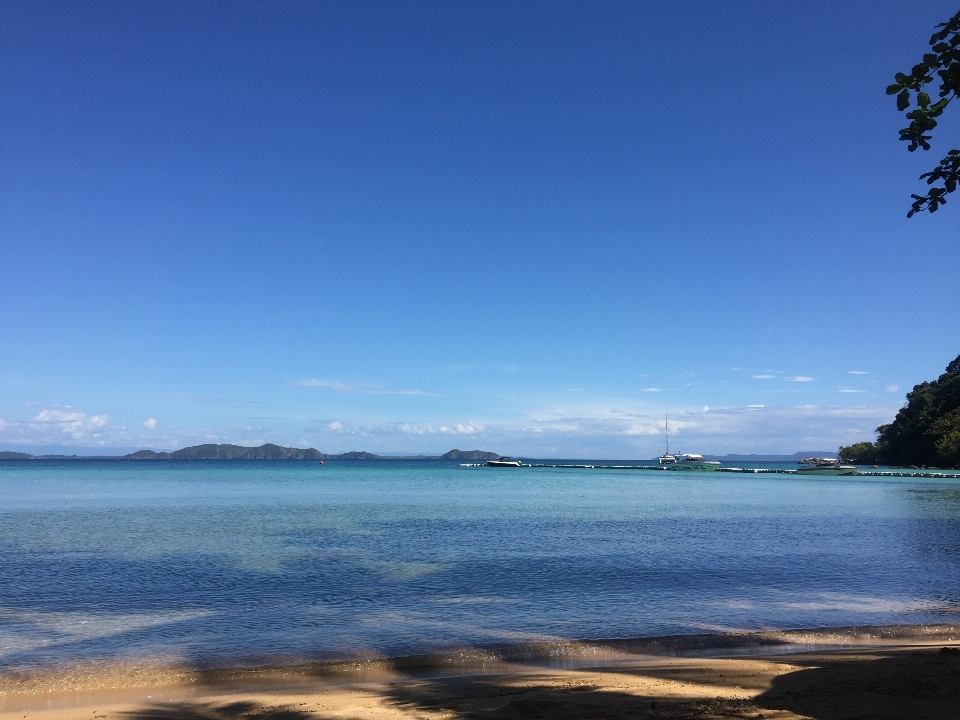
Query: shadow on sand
[872, 685]
[213, 711]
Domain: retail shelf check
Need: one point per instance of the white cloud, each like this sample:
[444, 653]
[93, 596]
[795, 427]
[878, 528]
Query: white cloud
[403, 428]
[458, 429]
[356, 388]
[59, 424]
[652, 389]
[850, 390]
[70, 421]
[149, 424]
[2, 424]
[764, 376]
[892, 388]
[857, 372]
[800, 378]
[755, 428]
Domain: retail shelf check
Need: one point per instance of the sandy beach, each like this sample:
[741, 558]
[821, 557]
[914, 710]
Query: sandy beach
[757, 675]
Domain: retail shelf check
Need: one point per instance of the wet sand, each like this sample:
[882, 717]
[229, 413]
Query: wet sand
[745, 675]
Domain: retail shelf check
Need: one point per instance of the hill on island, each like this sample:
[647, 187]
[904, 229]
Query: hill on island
[277, 452]
[268, 451]
[10, 455]
[469, 455]
[926, 431]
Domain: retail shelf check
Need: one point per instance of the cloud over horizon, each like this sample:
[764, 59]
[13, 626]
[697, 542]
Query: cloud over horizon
[636, 435]
[572, 432]
[356, 388]
[57, 424]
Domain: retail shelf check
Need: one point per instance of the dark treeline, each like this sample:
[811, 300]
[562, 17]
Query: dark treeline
[926, 431]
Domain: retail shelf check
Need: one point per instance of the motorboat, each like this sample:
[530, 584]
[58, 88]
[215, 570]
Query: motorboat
[687, 461]
[683, 461]
[825, 466]
[504, 462]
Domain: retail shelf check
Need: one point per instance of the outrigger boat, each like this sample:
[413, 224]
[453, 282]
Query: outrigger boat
[683, 461]
[825, 466]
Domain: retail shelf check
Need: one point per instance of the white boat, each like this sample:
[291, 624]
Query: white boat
[687, 461]
[683, 461]
[504, 462]
[825, 466]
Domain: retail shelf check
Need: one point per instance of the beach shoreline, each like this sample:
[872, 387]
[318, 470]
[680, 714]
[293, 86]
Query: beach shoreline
[161, 690]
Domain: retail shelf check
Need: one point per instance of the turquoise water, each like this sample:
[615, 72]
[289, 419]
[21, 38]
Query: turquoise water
[218, 563]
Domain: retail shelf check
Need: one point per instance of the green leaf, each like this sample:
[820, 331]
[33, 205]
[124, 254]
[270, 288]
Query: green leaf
[894, 89]
[903, 100]
[923, 100]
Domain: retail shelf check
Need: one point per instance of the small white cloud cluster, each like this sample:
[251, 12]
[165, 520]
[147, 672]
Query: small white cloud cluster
[355, 388]
[405, 428]
[458, 429]
[57, 424]
[775, 375]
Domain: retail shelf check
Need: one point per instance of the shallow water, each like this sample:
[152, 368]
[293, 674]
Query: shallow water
[219, 563]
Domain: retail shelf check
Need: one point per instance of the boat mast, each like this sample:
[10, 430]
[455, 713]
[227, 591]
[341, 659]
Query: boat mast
[666, 432]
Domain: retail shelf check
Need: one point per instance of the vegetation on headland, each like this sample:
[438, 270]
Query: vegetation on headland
[926, 431]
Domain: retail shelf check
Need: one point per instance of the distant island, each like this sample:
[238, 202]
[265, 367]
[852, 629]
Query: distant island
[8, 455]
[268, 451]
[276, 452]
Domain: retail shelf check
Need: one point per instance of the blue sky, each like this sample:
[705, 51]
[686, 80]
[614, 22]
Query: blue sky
[404, 227]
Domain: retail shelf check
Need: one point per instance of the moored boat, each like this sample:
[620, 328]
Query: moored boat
[504, 462]
[683, 461]
[825, 466]
[688, 461]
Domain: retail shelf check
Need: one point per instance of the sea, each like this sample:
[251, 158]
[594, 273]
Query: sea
[232, 563]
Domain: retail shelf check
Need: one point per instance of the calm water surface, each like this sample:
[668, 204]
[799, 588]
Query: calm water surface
[229, 562]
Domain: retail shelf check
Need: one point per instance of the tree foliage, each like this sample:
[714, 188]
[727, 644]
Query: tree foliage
[942, 62]
[926, 431]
